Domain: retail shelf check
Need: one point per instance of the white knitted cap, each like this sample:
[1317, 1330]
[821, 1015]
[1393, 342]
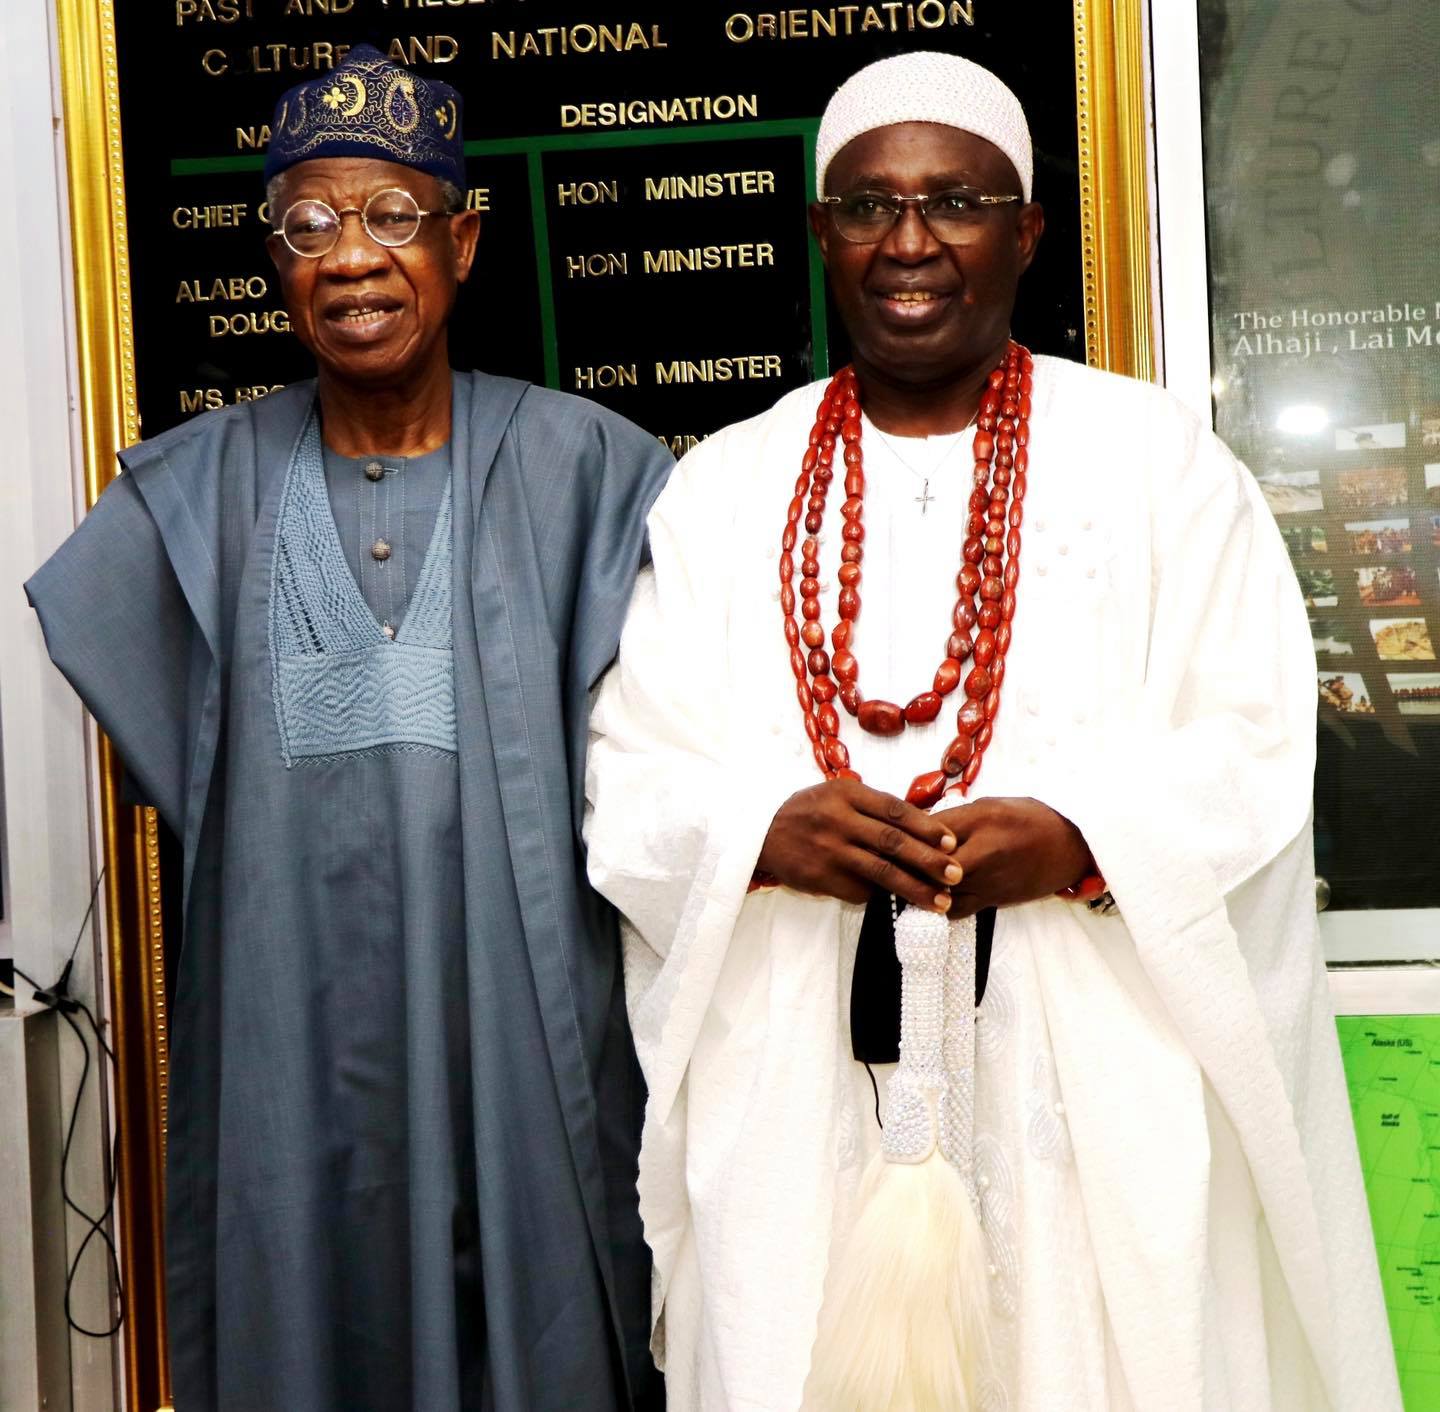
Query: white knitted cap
[926, 87]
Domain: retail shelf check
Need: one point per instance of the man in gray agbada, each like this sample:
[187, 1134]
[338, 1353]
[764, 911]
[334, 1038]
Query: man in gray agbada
[343, 639]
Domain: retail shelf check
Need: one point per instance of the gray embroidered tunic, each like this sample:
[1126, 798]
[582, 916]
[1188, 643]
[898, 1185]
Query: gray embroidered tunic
[343, 682]
[404, 1105]
[359, 812]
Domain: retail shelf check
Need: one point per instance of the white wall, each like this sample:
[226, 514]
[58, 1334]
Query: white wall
[1183, 296]
[46, 828]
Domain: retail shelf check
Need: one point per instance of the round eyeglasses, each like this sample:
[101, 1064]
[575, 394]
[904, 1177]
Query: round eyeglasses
[391, 218]
[952, 217]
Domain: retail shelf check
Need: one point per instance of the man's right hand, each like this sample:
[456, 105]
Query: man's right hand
[843, 839]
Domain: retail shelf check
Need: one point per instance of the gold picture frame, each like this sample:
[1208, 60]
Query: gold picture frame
[109, 417]
[1114, 211]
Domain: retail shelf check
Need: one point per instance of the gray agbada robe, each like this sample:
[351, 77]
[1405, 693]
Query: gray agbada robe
[404, 1103]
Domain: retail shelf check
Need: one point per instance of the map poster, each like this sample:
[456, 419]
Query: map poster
[1392, 1065]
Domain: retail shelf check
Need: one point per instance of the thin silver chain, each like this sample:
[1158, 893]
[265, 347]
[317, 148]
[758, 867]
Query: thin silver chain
[924, 498]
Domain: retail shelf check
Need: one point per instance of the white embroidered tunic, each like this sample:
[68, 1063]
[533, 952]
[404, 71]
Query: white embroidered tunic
[1171, 1197]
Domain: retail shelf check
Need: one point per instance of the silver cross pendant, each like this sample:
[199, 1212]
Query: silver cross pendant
[924, 498]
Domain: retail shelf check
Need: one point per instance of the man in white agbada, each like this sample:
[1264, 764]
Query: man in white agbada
[1166, 1172]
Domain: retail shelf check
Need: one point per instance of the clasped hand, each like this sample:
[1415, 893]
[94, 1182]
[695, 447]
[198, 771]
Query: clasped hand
[843, 839]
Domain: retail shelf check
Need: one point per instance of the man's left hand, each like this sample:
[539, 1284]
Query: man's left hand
[1013, 851]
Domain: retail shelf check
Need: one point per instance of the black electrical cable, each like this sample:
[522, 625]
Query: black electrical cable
[879, 1121]
[99, 1037]
[80, 930]
[58, 998]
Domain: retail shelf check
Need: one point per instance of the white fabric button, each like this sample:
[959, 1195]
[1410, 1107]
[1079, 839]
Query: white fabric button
[993, 1271]
[1040, 526]
[983, 1182]
[1059, 1110]
[1063, 549]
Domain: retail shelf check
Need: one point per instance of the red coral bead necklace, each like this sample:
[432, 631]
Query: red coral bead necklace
[984, 607]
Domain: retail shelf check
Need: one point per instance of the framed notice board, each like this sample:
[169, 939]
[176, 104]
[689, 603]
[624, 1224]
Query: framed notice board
[641, 181]
[642, 172]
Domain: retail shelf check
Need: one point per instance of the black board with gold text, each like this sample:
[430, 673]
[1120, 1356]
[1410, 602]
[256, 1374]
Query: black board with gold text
[642, 172]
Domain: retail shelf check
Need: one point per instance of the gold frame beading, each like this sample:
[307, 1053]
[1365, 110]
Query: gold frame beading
[1113, 124]
[109, 418]
[1115, 237]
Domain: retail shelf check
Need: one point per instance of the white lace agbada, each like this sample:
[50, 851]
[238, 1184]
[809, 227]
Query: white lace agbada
[1170, 1189]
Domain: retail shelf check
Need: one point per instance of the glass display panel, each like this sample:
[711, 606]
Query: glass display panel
[1322, 176]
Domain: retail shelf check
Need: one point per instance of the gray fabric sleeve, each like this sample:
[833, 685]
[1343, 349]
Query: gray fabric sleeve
[631, 471]
[117, 625]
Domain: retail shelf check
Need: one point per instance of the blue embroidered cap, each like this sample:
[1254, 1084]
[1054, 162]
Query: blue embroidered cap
[370, 107]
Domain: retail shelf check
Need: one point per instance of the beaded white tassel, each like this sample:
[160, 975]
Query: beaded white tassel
[903, 1323]
[957, 1099]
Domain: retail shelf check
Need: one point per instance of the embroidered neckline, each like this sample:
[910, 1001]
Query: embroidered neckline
[360, 625]
[340, 685]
